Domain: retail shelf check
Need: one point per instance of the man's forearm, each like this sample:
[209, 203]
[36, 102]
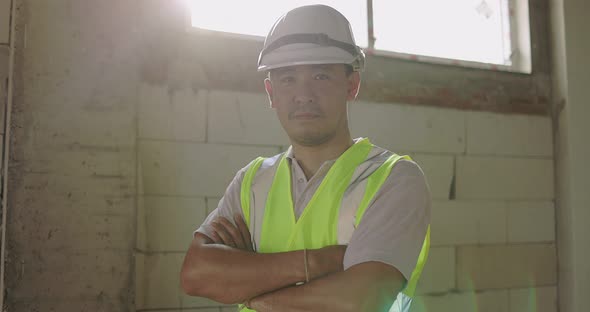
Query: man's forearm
[231, 275]
[366, 287]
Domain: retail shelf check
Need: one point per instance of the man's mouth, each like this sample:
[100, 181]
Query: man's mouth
[305, 116]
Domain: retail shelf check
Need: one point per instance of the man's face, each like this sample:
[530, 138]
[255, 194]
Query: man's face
[310, 100]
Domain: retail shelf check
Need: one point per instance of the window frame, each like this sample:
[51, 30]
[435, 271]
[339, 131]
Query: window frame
[520, 39]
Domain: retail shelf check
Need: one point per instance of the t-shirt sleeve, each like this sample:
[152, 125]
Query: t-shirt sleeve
[228, 206]
[394, 225]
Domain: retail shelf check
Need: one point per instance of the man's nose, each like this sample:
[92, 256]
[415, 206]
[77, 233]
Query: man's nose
[304, 93]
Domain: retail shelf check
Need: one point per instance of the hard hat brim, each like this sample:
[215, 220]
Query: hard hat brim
[304, 54]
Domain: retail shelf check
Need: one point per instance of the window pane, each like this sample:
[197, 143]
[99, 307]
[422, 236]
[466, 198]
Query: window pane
[473, 30]
[256, 17]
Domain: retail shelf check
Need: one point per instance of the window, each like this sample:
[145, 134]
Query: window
[490, 34]
[255, 17]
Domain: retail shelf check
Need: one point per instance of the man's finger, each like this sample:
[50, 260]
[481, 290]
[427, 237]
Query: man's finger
[234, 232]
[222, 232]
[215, 237]
[244, 231]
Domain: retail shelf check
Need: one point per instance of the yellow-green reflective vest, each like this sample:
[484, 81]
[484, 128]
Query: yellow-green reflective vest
[317, 226]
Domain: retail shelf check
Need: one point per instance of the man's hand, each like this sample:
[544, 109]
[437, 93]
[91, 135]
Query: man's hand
[236, 236]
[321, 261]
[366, 287]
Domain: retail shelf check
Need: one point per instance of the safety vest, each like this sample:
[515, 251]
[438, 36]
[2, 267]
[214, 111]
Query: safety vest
[328, 219]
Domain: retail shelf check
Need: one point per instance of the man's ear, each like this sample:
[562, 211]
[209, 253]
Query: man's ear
[268, 88]
[354, 83]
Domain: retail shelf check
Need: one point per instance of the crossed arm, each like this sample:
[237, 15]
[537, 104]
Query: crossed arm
[226, 269]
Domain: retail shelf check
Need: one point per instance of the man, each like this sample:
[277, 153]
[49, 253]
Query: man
[332, 224]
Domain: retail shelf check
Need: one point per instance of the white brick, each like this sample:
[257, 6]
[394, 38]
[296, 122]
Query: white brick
[504, 178]
[172, 114]
[412, 128]
[497, 134]
[543, 299]
[212, 203]
[162, 284]
[244, 118]
[171, 221]
[193, 169]
[492, 301]
[488, 301]
[438, 171]
[468, 222]
[439, 272]
[4, 21]
[443, 303]
[506, 266]
[531, 222]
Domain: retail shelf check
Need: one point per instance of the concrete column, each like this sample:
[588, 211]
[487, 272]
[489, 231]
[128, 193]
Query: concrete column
[571, 75]
[71, 189]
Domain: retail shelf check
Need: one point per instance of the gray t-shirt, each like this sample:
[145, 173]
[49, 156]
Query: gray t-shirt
[392, 229]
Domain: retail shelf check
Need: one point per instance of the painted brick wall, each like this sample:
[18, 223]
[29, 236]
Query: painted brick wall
[190, 145]
[491, 177]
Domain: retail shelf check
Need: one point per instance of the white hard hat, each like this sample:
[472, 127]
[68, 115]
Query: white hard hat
[313, 34]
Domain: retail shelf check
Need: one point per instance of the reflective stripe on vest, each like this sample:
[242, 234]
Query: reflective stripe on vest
[317, 227]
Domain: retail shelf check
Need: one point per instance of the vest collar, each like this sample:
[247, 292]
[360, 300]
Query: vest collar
[290, 156]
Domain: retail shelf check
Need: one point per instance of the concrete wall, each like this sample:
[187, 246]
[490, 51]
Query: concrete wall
[4, 59]
[5, 13]
[126, 130]
[571, 111]
[71, 203]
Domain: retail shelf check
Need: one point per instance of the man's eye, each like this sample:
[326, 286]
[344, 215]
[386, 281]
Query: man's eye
[321, 77]
[287, 79]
